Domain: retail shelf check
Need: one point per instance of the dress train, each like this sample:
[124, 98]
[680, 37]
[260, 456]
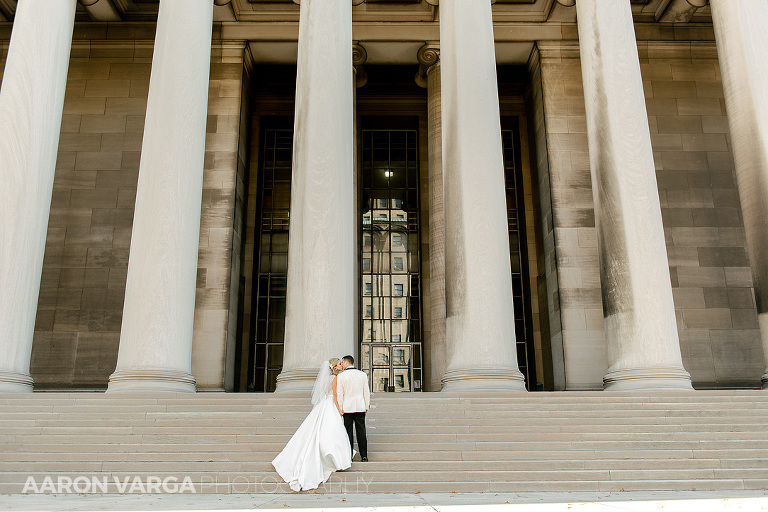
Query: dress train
[319, 447]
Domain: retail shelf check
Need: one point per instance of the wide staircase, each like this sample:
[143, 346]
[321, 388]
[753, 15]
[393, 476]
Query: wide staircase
[426, 442]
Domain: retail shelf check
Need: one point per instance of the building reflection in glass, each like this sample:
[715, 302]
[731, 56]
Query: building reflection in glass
[390, 263]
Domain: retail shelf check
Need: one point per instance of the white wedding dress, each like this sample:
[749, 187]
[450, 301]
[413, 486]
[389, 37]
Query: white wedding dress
[319, 447]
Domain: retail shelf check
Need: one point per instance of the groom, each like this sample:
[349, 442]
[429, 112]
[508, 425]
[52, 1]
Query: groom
[354, 399]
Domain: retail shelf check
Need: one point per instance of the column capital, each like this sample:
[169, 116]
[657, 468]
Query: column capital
[298, 2]
[359, 56]
[428, 56]
[101, 10]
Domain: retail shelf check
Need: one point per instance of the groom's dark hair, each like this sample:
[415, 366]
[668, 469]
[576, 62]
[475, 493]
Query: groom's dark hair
[349, 359]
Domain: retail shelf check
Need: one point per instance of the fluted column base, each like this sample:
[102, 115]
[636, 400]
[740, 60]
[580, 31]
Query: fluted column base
[647, 379]
[14, 382]
[140, 380]
[296, 380]
[483, 379]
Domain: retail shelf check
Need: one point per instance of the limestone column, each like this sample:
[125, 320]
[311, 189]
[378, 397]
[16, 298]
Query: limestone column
[320, 309]
[741, 45]
[429, 77]
[640, 328]
[31, 104]
[156, 337]
[480, 331]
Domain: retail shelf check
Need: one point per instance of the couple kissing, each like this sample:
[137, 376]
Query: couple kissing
[324, 442]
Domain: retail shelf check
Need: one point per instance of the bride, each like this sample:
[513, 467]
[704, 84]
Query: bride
[320, 446]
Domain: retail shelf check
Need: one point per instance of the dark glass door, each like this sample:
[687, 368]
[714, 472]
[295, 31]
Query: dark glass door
[271, 257]
[518, 254]
[390, 298]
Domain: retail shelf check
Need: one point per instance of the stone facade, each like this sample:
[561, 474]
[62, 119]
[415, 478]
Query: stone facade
[83, 284]
[80, 306]
[548, 280]
[219, 288]
[711, 279]
[77, 330]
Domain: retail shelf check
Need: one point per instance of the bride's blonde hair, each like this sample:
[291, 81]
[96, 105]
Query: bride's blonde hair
[332, 362]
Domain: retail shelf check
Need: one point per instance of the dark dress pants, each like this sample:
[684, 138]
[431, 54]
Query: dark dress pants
[358, 419]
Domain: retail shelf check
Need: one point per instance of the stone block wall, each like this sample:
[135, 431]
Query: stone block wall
[77, 329]
[547, 284]
[570, 242]
[221, 226]
[711, 280]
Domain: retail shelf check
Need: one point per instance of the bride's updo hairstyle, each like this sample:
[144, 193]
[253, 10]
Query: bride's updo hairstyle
[332, 362]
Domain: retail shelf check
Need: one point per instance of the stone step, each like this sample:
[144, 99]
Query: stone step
[228, 425]
[638, 457]
[224, 452]
[478, 421]
[426, 442]
[640, 454]
[485, 451]
[31, 420]
[419, 442]
[180, 434]
[382, 406]
[426, 477]
[160, 464]
[377, 403]
[337, 484]
[728, 396]
[729, 430]
[443, 433]
[482, 396]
